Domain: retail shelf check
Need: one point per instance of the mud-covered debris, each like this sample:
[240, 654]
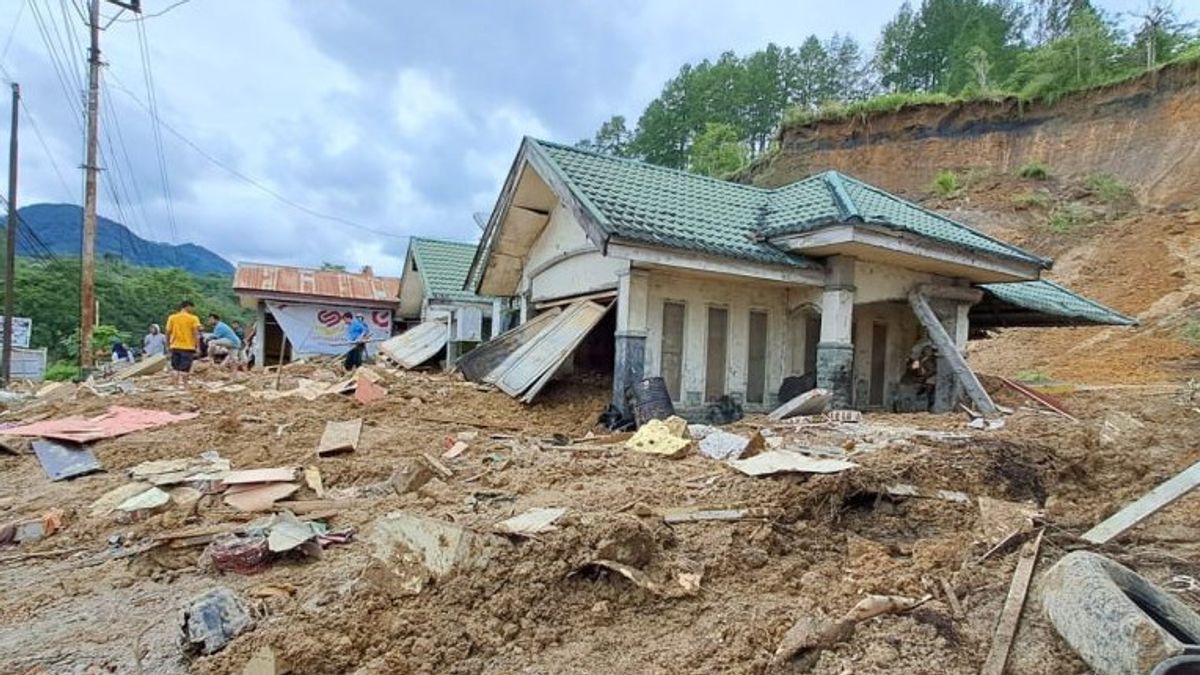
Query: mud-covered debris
[259, 497]
[811, 402]
[62, 460]
[809, 635]
[240, 555]
[340, 437]
[410, 550]
[410, 476]
[266, 662]
[532, 522]
[145, 502]
[724, 445]
[288, 532]
[683, 584]
[657, 437]
[212, 619]
[784, 461]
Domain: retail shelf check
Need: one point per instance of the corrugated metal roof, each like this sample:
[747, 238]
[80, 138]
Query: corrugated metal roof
[252, 278]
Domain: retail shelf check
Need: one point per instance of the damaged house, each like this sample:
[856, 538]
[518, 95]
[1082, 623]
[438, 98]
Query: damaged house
[724, 289]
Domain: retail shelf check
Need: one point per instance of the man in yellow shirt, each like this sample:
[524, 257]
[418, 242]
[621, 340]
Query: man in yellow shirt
[183, 339]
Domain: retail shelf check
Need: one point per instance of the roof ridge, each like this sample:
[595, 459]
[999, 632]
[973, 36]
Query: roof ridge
[444, 241]
[1046, 262]
[833, 180]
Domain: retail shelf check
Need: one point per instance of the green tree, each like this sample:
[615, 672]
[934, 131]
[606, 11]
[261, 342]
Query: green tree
[718, 151]
[612, 138]
[1160, 36]
[765, 96]
[1088, 52]
[894, 56]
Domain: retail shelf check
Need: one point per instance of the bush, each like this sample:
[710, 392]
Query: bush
[1031, 199]
[946, 183]
[1034, 170]
[1069, 217]
[1032, 376]
[1106, 187]
[62, 371]
[1191, 332]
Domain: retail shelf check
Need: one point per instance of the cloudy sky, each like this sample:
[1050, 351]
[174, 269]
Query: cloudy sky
[399, 117]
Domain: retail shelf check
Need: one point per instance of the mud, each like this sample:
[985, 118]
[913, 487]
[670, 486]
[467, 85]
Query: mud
[532, 606]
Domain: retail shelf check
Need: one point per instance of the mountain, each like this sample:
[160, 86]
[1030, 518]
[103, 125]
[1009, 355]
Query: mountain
[59, 227]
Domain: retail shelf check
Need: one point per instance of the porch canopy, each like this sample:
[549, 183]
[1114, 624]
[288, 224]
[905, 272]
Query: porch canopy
[1039, 304]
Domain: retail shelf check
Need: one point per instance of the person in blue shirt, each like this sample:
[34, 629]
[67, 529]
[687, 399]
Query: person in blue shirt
[357, 334]
[224, 342]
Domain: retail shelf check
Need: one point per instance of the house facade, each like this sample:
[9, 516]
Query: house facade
[725, 289]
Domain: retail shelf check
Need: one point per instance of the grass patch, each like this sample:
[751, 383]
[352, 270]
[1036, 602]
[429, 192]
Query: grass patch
[1107, 188]
[1031, 199]
[1068, 217]
[946, 183]
[886, 103]
[62, 371]
[1034, 171]
[1032, 377]
[1190, 333]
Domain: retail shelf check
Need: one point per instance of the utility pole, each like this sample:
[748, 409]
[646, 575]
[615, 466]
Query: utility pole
[10, 251]
[87, 255]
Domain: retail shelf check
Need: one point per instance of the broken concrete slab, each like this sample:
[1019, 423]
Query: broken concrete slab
[532, 522]
[212, 619]
[784, 461]
[723, 445]
[209, 466]
[340, 437]
[147, 366]
[410, 550]
[145, 501]
[811, 402]
[61, 461]
[410, 476]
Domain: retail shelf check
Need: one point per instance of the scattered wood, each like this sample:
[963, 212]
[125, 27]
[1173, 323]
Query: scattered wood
[268, 475]
[340, 437]
[686, 584]
[906, 490]
[475, 424]
[260, 498]
[1010, 616]
[455, 450]
[956, 609]
[810, 635]
[310, 506]
[675, 516]
[438, 468]
[1046, 400]
[531, 523]
[1145, 506]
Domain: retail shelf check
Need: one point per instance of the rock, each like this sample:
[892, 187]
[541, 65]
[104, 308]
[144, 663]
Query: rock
[410, 476]
[212, 619]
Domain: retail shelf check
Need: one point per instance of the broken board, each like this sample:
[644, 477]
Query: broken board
[417, 344]
[478, 363]
[782, 461]
[260, 498]
[340, 437]
[64, 461]
[531, 366]
[1145, 506]
[1010, 616]
[269, 475]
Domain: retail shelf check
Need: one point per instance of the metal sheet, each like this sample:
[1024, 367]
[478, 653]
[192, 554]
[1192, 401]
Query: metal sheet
[118, 421]
[519, 354]
[65, 461]
[534, 363]
[480, 362]
[416, 345]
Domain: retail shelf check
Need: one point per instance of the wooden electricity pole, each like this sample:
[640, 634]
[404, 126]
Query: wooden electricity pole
[87, 256]
[10, 249]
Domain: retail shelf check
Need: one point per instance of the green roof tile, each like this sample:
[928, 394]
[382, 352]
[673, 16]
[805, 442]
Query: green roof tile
[444, 266]
[668, 207]
[1050, 298]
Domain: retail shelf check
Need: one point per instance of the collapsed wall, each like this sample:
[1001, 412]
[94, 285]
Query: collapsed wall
[1142, 130]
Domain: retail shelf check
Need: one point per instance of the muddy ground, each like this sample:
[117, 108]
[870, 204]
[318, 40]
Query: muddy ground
[68, 608]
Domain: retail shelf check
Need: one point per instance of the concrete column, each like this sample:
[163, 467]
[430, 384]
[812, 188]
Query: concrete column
[948, 390]
[835, 351]
[633, 305]
[260, 335]
[497, 318]
[525, 307]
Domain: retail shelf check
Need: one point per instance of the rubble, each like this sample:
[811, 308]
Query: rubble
[212, 619]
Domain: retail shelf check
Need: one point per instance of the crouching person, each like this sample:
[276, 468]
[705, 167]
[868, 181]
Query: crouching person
[224, 346]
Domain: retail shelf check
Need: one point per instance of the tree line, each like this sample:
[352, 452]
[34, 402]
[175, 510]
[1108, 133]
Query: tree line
[130, 299]
[715, 116]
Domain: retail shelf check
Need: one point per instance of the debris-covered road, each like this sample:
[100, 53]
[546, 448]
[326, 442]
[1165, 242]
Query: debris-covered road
[622, 561]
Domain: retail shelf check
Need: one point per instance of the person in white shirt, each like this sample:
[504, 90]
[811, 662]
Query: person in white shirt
[155, 342]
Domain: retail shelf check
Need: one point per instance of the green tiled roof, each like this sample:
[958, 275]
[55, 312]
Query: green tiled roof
[668, 207]
[444, 266]
[1048, 297]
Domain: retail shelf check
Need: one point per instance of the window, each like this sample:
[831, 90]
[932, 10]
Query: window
[717, 342]
[878, 364]
[756, 367]
[672, 348]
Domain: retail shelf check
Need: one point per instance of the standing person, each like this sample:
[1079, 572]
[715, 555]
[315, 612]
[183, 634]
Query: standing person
[223, 341]
[183, 338]
[357, 334]
[155, 342]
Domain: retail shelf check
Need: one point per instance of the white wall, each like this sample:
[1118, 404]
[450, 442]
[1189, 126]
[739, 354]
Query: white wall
[903, 331]
[566, 276]
[412, 290]
[697, 293]
[874, 282]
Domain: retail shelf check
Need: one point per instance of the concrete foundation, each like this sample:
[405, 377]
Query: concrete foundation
[835, 371]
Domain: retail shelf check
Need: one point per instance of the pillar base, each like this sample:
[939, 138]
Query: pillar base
[835, 371]
[629, 367]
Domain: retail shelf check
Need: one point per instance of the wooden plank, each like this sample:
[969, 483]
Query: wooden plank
[948, 350]
[260, 498]
[477, 363]
[1010, 616]
[674, 516]
[515, 356]
[1145, 506]
[270, 475]
[1040, 398]
[416, 345]
[340, 437]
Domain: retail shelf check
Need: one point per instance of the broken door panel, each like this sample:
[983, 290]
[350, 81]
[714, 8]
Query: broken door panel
[534, 364]
[478, 363]
[416, 345]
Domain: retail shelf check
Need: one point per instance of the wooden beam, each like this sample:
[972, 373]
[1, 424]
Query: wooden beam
[1145, 506]
[948, 350]
[1010, 616]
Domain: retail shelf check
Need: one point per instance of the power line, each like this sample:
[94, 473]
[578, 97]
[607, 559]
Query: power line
[12, 32]
[160, 12]
[152, 97]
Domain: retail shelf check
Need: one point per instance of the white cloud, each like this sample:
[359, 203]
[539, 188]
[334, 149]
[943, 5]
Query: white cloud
[423, 106]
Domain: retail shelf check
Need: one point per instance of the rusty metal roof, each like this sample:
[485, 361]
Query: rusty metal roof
[280, 280]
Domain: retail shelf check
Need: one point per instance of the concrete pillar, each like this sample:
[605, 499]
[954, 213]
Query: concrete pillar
[629, 364]
[497, 318]
[835, 351]
[948, 390]
[525, 307]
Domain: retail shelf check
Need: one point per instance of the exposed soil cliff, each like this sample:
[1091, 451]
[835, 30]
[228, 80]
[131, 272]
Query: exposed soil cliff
[1143, 131]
